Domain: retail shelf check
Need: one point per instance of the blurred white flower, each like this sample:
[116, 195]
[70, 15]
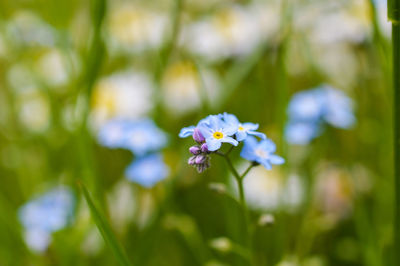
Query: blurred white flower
[135, 29]
[20, 78]
[334, 192]
[26, 28]
[125, 95]
[34, 110]
[232, 31]
[381, 12]
[122, 205]
[55, 67]
[326, 34]
[184, 86]
[3, 46]
[269, 190]
[330, 22]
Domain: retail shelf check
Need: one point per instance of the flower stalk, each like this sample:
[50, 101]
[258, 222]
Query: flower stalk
[394, 17]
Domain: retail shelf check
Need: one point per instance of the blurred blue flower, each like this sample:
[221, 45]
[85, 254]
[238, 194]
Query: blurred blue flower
[144, 136]
[46, 214]
[140, 137]
[309, 110]
[243, 129]
[307, 105]
[113, 133]
[301, 133]
[148, 170]
[338, 109]
[261, 152]
[216, 131]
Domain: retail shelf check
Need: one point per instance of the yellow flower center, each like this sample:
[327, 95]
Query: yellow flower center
[241, 128]
[218, 135]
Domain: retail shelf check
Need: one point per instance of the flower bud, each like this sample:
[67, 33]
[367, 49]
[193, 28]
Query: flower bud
[200, 159]
[197, 136]
[266, 220]
[192, 160]
[222, 244]
[217, 187]
[204, 148]
[195, 150]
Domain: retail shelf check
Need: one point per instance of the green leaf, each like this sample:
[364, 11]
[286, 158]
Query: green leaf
[105, 230]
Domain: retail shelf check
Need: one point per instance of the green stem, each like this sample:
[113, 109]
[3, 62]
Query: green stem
[396, 123]
[242, 199]
[394, 17]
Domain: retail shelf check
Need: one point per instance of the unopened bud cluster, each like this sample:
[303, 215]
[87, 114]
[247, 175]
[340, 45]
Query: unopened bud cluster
[200, 158]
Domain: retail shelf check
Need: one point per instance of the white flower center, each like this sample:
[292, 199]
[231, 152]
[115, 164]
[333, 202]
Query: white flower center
[261, 153]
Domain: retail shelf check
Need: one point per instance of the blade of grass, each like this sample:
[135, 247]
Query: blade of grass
[394, 17]
[396, 117]
[105, 230]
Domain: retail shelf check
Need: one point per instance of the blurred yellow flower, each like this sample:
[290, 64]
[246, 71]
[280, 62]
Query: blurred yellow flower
[125, 95]
[183, 87]
[134, 28]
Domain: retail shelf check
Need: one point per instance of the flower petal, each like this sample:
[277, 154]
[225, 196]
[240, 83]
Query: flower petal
[230, 140]
[267, 145]
[241, 135]
[275, 159]
[250, 126]
[266, 164]
[186, 131]
[213, 144]
[257, 134]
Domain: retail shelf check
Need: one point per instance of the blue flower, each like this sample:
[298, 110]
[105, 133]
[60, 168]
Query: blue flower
[188, 131]
[338, 109]
[243, 129]
[140, 137]
[216, 132]
[301, 133]
[144, 136]
[113, 133]
[307, 105]
[309, 110]
[148, 170]
[46, 214]
[261, 152]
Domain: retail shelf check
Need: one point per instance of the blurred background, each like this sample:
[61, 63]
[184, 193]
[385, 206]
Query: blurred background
[68, 68]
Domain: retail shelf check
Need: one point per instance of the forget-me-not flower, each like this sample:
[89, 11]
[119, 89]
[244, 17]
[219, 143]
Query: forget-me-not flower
[261, 152]
[301, 133]
[217, 132]
[188, 131]
[140, 136]
[243, 129]
[46, 214]
[113, 133]
[308, 111]
[147, 170]
[144, 136]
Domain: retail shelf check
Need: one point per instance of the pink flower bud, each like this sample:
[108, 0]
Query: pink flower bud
[200, 159]
[197, 136]
[195, 150]
[192, 160]
[204, 148]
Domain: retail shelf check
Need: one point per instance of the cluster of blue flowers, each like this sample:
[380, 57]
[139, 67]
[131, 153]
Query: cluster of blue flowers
[46, 214]
[214, 130]
[145, 140]
[310, 110]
